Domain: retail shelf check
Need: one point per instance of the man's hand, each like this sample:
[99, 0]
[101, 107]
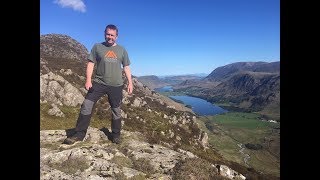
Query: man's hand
[127, 72]
[90, 66]
[130, 88]
[88, 85]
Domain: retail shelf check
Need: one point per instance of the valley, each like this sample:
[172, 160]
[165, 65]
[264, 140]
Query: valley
[244, 138]
[248, 138]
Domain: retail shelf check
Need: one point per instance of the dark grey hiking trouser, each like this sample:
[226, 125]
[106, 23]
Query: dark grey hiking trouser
[94, 94]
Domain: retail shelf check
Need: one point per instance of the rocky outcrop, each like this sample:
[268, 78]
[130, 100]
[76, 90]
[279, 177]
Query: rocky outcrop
[55, 89]
[97, 158]
[62, 46]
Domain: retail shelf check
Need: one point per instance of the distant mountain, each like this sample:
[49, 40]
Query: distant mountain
[172, 80]
[59, 51]
[62, 46]
[191, 75]
[224, 72]
[152, 81]
[250, 90]
[254, 86]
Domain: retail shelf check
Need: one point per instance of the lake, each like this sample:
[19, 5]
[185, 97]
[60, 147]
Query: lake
[164, 89]
[199, 106]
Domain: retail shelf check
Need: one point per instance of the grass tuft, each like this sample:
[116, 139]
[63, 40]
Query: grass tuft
[195, 168]
[71, 165]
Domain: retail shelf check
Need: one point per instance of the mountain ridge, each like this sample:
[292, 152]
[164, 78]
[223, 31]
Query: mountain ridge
[228, 70]
[252, 86]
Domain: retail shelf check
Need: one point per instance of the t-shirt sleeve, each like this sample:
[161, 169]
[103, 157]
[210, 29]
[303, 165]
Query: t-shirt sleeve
[126, 60]
[93, 55]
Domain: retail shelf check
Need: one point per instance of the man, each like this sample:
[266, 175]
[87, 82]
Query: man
[108, 57]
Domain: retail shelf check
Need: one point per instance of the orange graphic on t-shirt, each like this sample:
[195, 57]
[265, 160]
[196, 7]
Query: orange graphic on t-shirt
[110, 54]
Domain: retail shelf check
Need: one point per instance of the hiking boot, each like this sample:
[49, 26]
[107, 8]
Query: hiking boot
[116, 140]
[71, 140]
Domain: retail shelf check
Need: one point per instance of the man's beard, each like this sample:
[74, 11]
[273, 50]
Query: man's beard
[109, 44]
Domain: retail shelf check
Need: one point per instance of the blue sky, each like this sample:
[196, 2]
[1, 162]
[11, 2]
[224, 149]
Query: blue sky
[173, 37]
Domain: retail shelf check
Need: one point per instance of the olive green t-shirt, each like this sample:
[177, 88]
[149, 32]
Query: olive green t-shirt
[108, 61]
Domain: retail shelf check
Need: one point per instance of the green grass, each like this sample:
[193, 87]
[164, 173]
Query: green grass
[48, 122]
[269, 112]
[265, 162]
[240, 120]
[243, 127]
[228, 130]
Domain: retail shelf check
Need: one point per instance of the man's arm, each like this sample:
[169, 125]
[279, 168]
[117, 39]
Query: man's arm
[127, 71]
[90, 66]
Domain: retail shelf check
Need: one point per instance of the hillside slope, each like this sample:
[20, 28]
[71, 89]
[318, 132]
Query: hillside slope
[155, 128]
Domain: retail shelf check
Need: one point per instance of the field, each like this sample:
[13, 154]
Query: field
[244, 138]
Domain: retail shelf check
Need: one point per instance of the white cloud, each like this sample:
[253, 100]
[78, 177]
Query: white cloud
[77, 5]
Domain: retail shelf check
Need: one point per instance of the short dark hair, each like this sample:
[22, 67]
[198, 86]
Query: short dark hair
[113, 27]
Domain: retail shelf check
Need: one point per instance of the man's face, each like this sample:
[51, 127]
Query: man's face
[110, 36]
